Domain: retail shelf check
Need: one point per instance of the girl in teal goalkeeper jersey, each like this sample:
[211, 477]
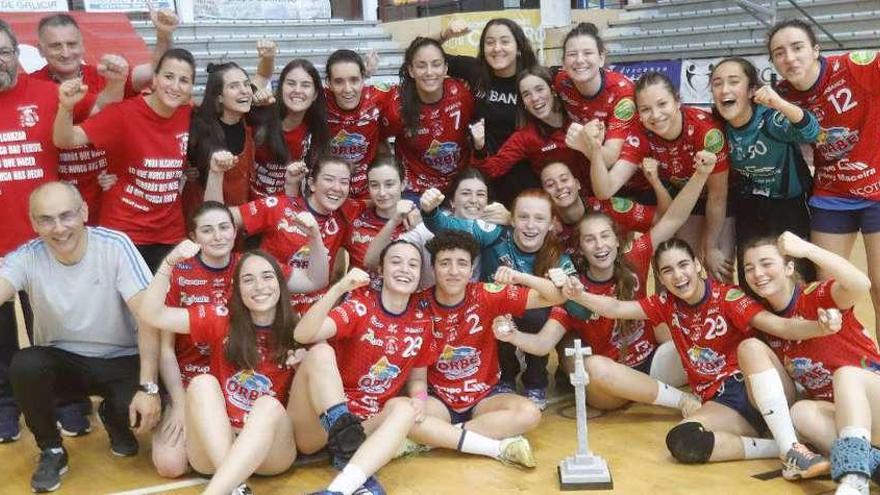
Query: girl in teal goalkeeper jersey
[771, 181]
[529, 246]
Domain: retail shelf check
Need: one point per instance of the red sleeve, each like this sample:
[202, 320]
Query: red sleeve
[352, 209]
[559, 314]
[505, 299]
[635, 147]
[172, 298]
[257, 215]
[714, 141]
[429, 352]
[864, 68]
[512, 151]
[346, 316]
[655, 308]
[640, 254]
[208, 324]
[102, 129]
[623, 114]
[822, 294]
[629, 214]
[740, 308]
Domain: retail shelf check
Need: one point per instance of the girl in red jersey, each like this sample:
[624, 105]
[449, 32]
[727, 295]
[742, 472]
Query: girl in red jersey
[429, 114]
[294, 129]
[236, 418]
[707, 319]
[274, 217]
[591, 92]
[678, 137]
[627, 364]
[354, 111]
[145, 139]
[772, 371]
[503, 51]
[841, 91]
[386, 341]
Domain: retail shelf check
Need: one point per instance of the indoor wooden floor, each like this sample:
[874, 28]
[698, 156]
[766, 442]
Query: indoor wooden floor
[631, 440]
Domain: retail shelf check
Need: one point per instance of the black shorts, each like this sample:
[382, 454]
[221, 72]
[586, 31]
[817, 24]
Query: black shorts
[645, 366]
[865, 220]
[733, 395]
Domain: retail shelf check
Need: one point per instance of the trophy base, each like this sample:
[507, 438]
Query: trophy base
[590, 475]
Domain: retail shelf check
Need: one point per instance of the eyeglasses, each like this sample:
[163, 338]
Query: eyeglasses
[7, 54]
[66, 218]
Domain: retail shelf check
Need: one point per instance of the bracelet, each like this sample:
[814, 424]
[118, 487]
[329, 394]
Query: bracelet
[422, 395]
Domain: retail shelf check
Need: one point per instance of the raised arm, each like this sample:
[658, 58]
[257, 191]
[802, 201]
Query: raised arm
[537, 344]
[114, 70]
[64, 133]
[485, 233]
[542, 291]
[608, 307]
[151, 309]
[266, 51]
[799, 125]
[317, 275]
[850, 282]
[315, 326]
[385, 234]
[165, 21]
[221, 161]
[796, 328]
[650, 169]
[680, 209]
[588, 140]
[716, 212]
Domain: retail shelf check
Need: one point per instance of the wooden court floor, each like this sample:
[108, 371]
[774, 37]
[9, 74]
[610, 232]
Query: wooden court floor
[631, 440]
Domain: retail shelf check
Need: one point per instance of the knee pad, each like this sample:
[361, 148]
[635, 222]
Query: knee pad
[850, 455]
[344, 438]
[875, 464]
[689, 443]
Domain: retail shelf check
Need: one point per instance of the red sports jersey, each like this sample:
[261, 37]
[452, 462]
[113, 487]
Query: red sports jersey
[81, 166]
[603, 334]
[700, 131]
[614, 105]
[441, 146]
[268, 176]
[812, 362]
[147, 153]
[467, 367]
[527, 143]
[379, 349]
[846, 101]
[706, 335]
[628, 215]
[210, 324]
[272, 216]
[364, 229]
[355, 134]
[28, 157]
[194, 283]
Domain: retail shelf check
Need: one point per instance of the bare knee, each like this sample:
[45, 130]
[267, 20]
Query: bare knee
[202, 384]
[529, 414]
[600, 369]
[803, 414]
[320, 356]
[267, 408]
[752, 354]
[168, 467]
[401, 407]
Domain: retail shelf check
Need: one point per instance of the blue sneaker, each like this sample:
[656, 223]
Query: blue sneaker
[370, 487]
[10, 430]
[503, 387]
[71, 420]
[538, 396]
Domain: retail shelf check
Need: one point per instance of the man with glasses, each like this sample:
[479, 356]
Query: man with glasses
[84, 285]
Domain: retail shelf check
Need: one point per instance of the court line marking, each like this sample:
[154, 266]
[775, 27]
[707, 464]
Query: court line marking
[164, 488]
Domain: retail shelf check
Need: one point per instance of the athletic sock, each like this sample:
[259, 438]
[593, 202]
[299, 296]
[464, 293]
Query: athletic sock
[474, 443]
[857, 482]
[350, 479]
[769, 396]
[855, 432]
[329, 417]
[668, 396]
[759, 448]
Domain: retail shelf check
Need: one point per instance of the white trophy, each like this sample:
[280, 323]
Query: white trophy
[584, 470]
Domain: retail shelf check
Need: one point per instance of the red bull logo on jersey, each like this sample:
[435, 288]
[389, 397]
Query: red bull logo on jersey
[245, 387]
[349, 146]
[380, 377]
[705, 360]
[835, 143]
[811, 374]
[442, 157]
[458, 362]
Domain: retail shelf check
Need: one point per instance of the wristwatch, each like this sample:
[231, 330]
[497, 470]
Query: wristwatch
[149, 388]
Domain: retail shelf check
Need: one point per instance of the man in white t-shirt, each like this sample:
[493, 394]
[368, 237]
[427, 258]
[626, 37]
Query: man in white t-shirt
[84, 286]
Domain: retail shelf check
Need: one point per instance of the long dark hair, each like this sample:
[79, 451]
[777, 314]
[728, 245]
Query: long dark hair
[410, 104]
[206, 135]
[523, 116]
[268, 122]
[550, 252]
[624, 274]
[241, 342]
[525, 55]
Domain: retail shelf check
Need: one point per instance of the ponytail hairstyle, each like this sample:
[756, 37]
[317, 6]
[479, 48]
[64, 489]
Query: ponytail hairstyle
[206, 134]
[550, 252]
[624, 275]
[241, 343]
[410, 104]
[525, 55]
[585, 29]
[522, 114]
[269, 121]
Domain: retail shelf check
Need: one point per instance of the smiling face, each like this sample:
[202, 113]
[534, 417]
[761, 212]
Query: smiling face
[298, 90]
[795, 58]
[346, 83]
[532, 218]
[499, 48]
[452, 270]
[598, 243]
[58, 216]
[62, 47]
[470, 199]
[385, 187]
[537, 96]
[215, 233]
[173, 84]
[259, 285]
[659, 111]
[401, 268]
[330, 186]
[237, 96]
[560, 184]
[680, 275]
[582, 59]
[731, 92]
[767, 272]
[428, 69]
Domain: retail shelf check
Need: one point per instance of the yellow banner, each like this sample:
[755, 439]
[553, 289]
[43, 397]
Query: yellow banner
[529, 20]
